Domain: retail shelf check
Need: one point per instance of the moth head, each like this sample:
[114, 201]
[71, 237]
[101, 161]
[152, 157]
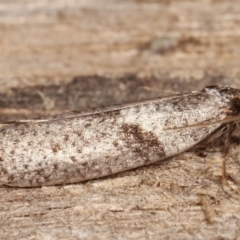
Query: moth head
[228, 94]
[224, 91]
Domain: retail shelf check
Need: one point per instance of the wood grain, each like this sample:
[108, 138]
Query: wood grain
[61, 55]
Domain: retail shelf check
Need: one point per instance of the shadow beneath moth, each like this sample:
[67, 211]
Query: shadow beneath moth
[75, 147]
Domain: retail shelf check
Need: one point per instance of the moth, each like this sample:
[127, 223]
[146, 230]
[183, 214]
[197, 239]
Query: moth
[78, 146]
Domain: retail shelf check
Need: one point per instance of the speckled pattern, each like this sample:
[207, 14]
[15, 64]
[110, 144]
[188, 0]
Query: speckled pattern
[74, 147]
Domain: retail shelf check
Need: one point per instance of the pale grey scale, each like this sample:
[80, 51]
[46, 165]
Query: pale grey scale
[77, 147]
[64, 167]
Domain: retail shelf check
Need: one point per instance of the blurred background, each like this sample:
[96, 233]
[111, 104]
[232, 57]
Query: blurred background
[63, 55]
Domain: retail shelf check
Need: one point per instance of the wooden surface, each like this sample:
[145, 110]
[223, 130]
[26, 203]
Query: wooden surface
[57, 56]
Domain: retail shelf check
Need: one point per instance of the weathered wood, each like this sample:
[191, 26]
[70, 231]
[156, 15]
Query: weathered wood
[116, 48]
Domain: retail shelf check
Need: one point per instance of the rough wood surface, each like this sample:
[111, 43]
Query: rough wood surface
[58, 55]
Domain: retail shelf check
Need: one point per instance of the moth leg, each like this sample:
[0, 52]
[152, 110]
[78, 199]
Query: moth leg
[227, 142]
[224, 172]
[230, 176]
[238, 127]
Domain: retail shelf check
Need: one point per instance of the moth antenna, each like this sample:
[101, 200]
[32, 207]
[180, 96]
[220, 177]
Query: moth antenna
[158, 90]
[226, 120]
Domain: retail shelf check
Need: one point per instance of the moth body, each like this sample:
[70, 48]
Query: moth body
[74, 147]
